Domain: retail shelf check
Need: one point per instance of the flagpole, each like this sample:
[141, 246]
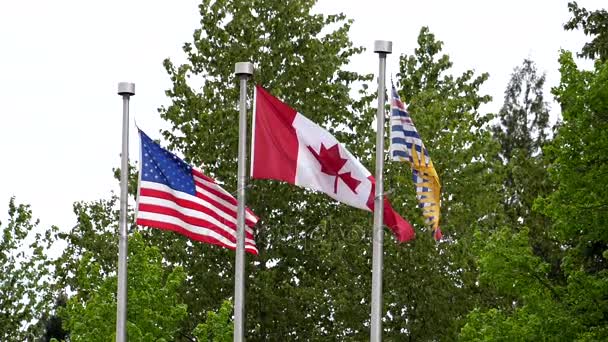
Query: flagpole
[126, 90]
[382, 48]
[243, 70]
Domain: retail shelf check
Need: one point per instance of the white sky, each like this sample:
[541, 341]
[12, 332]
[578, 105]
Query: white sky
[60, 62]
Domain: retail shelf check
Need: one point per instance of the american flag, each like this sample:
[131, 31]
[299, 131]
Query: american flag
[174, 196]
[407, 146]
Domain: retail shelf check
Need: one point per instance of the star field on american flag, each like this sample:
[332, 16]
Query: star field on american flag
[174, 196]
[162, 166]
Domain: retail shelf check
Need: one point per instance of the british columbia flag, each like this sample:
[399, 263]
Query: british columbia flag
[407, 146]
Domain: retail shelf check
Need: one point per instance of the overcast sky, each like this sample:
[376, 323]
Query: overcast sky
[61, 60]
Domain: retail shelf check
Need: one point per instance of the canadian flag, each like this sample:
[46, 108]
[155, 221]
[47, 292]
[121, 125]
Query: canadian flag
[289, 147]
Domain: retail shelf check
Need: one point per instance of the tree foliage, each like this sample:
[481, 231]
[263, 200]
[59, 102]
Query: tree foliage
[511, 266]
[300, 285]
[95, 233]
[445, 109]
[25, 274]
[524, 117]
[297, 286]
[523, 132]
[218, 327]
[446, 112]
[593, 23]
[155, 311]
[53, 324]
[567, 303]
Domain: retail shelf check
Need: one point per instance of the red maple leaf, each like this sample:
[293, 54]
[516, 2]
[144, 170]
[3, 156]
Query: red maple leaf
[331, 163]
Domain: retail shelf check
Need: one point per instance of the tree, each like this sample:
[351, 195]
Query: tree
[53, 325]
[524, 116]
[218, 327]
[578, 206]
[434, 285]
[299, 285]
[539, 305]
[522, 132]
[593, 24]
[155, 310]
[533, 308]
[311, 280]
[446, 112]
[94, 232]
[25, 274]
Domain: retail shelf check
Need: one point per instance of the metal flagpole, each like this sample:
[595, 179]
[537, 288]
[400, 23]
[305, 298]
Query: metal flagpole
[126, 90]
[382, 48]
[243, 70]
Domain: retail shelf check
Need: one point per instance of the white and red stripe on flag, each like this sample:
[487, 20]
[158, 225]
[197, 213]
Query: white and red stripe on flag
[209, 215]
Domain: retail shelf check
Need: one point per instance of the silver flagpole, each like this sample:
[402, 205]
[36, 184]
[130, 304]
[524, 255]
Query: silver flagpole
[382, 48]
[243, 70]
[126, 90]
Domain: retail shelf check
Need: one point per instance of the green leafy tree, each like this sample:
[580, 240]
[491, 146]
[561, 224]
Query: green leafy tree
[579, 165]
[94, 232]
[25, 275]
[593, 23]
[435, 284]
[300, 285]
[540, 306]
[218, 327]
[579, 206]
[311, 280]
[155, 311]
[445, 109]
[524, 116]
[532, 308]
[522, 132]
[53, 324]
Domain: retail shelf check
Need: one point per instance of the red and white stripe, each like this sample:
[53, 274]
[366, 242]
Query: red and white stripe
[210, 216]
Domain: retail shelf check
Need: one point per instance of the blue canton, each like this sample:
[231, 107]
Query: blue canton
[162, 166]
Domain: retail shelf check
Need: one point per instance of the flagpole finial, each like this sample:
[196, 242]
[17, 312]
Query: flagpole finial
[243, 68]
[126, 89]
[383, 46]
